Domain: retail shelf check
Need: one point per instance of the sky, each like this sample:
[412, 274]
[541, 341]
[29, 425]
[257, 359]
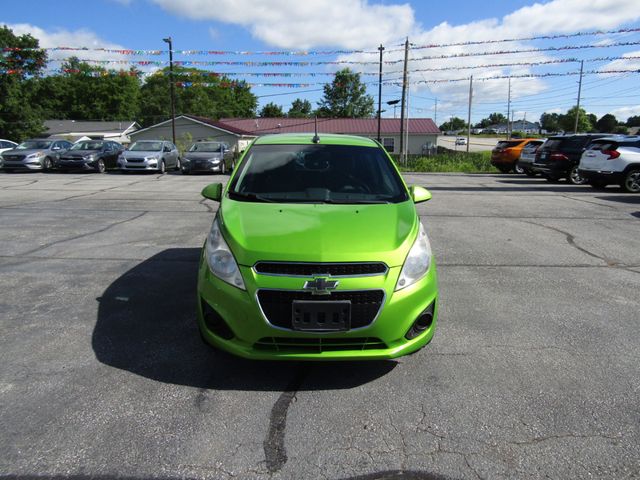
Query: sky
[446, 38]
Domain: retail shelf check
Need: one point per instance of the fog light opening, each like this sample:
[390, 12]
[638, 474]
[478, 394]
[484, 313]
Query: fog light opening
[422, 323]
[215, 323]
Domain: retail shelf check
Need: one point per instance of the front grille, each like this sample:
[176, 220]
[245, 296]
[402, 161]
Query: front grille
[309, 269]
[318, 345]
[14, 158]
[277, 304]
[135, 160]
[136, 166]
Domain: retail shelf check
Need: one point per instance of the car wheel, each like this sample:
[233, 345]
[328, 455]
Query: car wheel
[504, 168]
[162, 169]
[632, 182]
[518, 169]
[223, 168]
[47, 164]
[530, 173]
[178, 164]
[575, 178]
[100, 166]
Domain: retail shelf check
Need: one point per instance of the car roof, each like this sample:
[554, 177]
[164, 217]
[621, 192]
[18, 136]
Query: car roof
[307, 139]
[620, 138]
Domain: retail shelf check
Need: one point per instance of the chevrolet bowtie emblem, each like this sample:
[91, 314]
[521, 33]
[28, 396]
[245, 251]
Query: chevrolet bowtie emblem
[320, 285]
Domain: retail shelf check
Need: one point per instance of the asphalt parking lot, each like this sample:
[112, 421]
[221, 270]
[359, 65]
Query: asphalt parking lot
[533, 372]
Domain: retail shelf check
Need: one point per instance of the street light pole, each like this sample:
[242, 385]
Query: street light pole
[173, 93]
[381, 48]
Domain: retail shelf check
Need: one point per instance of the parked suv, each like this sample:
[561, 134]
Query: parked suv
[527, 157]
[157, 155]
[612, 160]
[34, 154]
[560, 155]
[507, 152]
[96, 155]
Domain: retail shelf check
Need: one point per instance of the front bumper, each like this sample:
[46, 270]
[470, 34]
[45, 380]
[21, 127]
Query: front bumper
[193, 166]
[67, 164]
[247, 330]
[26, 164]
[139, 164]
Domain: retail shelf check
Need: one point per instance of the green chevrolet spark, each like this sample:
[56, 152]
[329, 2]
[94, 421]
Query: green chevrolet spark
[317, 253]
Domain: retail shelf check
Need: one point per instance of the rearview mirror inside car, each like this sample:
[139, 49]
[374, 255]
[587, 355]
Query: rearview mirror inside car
[419, 194]
[213, 191]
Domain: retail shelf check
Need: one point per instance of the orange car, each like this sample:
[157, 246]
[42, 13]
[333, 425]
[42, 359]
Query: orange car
[506, 153]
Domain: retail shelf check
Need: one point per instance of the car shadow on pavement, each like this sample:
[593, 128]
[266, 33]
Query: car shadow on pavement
[631, 199]
[147, 325]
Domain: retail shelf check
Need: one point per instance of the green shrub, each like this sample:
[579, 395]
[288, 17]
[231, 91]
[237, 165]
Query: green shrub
[472, 162]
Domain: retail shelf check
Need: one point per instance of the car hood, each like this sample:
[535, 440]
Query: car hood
[202, 155]
[80, 153]
[26, 152]
[141, 153]
[319, 232]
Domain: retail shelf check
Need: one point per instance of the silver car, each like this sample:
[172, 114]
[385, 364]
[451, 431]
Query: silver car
[208, 156]
[155, 155]
[527, 157]
[34, 154]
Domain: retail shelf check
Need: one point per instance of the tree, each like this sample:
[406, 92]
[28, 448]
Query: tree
[550, 122]
[496, 118]
[271, 110]
[633, 121]
[300, 109]
[567, 121]
[455, 123]
[346, 97]
[607, 123]
[197, 93]
[19, 118]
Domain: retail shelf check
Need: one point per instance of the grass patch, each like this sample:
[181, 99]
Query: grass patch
[450, 162]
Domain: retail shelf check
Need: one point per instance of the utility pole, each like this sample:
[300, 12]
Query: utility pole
[508, 108]
[173, 94]
[381, 48]
[402, 101]
[435, 112]
[469, 113]
[575, 128]
[406, 126]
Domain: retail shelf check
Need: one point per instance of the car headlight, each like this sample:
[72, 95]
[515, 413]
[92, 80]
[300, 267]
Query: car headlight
[36, 155]
[220, 259]
[417, 262]
[89, 158]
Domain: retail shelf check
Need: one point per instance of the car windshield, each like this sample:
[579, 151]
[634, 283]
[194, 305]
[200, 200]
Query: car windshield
[33, 145]
[146, 147]
[205, 147]
[87, 145]
[317, 174]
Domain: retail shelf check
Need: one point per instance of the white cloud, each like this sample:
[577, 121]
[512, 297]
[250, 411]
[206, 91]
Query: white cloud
[627, 64]
[304, 24]
[625, 112]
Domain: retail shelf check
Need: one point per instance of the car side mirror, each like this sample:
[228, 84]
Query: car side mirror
[419, 194]
[213, 191]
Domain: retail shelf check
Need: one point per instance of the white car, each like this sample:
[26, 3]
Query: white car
[7, 145]
[612, 160]
[461, 141]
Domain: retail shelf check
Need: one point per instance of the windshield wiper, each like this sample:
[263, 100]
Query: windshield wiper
[249, 197]
[346, 201]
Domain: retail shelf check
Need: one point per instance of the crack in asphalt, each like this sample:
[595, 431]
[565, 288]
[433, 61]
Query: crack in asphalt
[83, 235]
[274, 447]
[209, 209]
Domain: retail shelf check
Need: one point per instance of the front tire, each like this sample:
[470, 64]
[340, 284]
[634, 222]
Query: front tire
[178, 164]
[162, 169]
[223, 168]
[47, 164]
[631, 182]
[100, 166]
[518, 169]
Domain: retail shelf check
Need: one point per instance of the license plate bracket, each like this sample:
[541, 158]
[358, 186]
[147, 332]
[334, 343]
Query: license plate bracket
[321, 315]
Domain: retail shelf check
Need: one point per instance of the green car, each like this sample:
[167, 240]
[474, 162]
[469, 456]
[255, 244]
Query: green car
[317, 253]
